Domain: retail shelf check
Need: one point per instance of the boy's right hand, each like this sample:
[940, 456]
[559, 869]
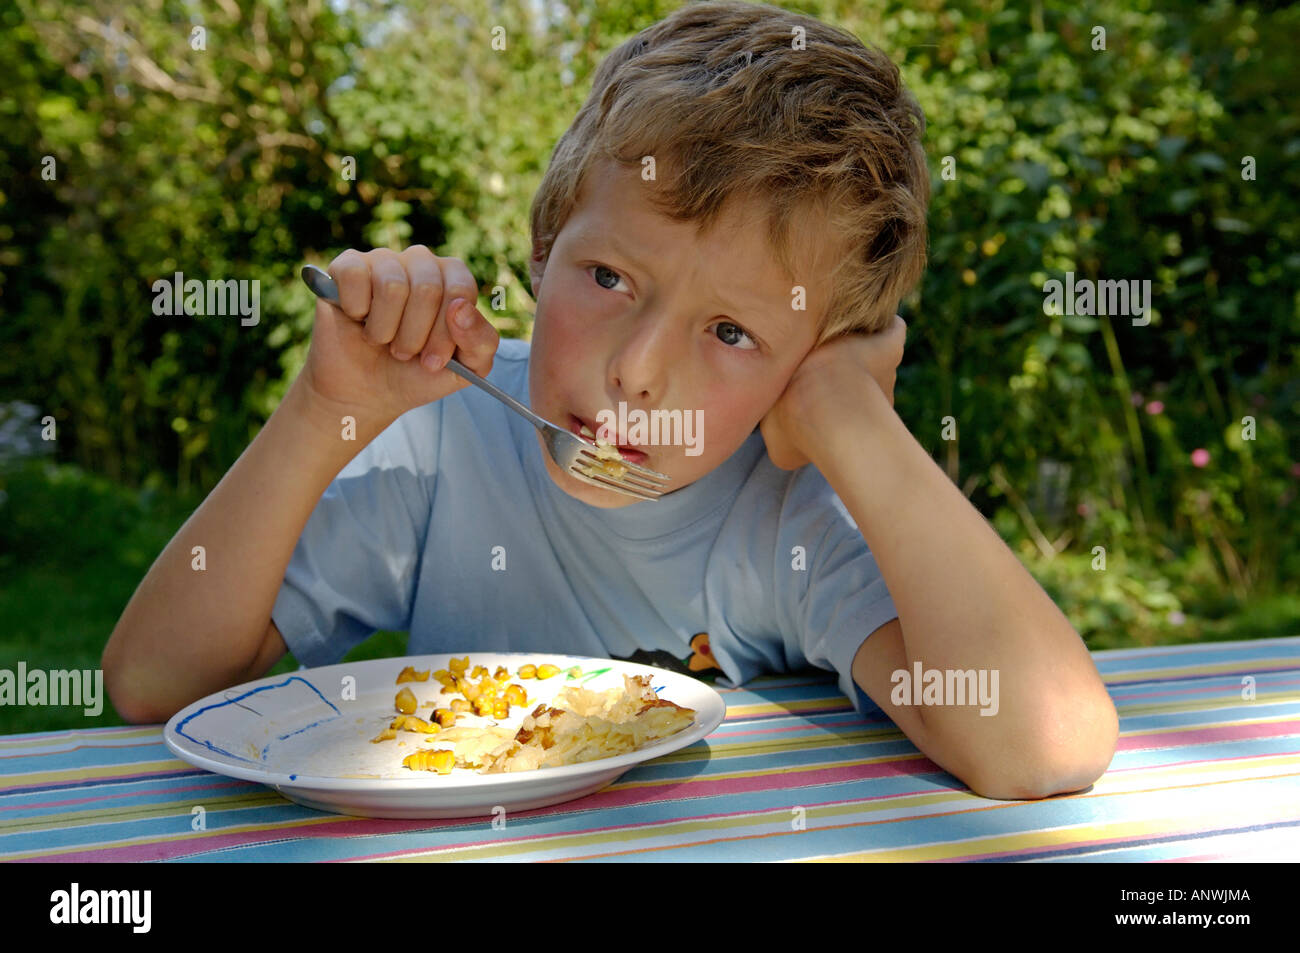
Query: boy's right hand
[374, 353]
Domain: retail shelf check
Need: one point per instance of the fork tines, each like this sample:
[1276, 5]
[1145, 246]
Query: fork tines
[638, 481]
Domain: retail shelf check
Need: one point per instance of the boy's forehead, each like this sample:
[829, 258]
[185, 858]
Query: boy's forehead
[614, 209]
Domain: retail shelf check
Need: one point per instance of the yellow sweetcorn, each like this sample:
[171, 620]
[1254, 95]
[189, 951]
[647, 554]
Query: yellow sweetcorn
[440, 761]
[405, 701]
[411, 723]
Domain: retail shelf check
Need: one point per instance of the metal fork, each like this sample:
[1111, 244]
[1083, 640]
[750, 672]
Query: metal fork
[573, 454]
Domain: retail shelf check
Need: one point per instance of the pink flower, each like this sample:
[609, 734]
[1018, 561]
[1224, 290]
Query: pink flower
[1155, 407]
[1177, 618]
[1200, 457]
[1083, 509]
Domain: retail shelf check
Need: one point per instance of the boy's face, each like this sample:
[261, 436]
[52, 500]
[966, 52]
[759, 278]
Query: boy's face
[633, 307]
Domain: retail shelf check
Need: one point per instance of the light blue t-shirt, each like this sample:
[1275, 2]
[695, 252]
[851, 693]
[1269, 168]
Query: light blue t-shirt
[448, 525]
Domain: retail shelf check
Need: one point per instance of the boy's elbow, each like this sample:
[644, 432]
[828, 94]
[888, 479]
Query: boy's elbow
[1057, 767]
[130, 704]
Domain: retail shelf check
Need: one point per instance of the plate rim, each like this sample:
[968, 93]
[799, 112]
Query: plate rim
[706, 723]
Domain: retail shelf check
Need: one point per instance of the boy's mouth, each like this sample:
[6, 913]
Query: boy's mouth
[628, 452]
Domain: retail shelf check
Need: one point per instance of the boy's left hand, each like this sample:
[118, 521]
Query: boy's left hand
[820, 384]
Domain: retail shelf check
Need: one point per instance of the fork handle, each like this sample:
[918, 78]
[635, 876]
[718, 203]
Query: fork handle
[324, 287]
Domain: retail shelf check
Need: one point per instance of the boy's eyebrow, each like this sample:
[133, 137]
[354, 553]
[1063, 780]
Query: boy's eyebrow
[781, 328]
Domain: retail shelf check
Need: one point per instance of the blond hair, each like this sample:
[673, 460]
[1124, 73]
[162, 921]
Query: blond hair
[828, 131]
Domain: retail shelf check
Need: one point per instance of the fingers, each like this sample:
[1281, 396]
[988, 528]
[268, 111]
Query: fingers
[476, 345]
[459, 294]
[423, 301]
[389, 288]
[410, 301]
[352, 277]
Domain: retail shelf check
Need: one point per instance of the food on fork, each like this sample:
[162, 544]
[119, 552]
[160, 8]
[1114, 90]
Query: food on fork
[609, 459]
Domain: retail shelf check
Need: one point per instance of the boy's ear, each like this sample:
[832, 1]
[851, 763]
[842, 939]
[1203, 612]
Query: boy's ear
[536, 267]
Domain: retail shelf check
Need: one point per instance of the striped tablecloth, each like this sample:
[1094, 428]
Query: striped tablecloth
[1202, 773]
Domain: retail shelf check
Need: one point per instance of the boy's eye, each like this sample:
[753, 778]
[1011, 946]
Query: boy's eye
[614, 277]
[731, 334]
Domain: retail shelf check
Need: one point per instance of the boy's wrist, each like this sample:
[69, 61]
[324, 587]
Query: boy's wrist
[840, 419]
[353, 427]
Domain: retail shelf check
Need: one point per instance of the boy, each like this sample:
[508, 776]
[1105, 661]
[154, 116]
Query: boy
[725, 231]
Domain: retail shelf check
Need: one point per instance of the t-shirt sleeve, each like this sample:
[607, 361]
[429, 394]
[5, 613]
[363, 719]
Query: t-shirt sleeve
[806, 589]
[355, 566]
[841, 599]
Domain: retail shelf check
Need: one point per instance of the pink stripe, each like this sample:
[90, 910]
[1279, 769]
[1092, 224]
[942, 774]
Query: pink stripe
[769, 731]
[1228, 732]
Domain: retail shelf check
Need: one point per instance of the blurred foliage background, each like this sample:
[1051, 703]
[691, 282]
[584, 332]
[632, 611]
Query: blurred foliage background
[238, 140]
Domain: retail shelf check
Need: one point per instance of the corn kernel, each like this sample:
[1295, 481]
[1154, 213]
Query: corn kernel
[440, 761]
[501, 672]
[527, 671]
[516, 695]
[411, 723]
[488, 688]
[467, 688]
[478, 672]
[409, 674]
[547, 671]
[458, 665]
[405, 701]
[501, 708]
[445, 678]
[483, 707]
[445, 717]
[460, 705]
[388, 734]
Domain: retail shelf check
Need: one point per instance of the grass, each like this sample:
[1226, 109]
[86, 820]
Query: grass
[73, 548]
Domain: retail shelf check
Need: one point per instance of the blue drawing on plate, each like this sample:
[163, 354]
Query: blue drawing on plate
[225, 723]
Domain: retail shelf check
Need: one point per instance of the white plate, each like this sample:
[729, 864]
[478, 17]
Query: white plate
[307, 734]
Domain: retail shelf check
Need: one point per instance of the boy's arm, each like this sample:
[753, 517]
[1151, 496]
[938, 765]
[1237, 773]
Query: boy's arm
[964, 602]
[188, 632]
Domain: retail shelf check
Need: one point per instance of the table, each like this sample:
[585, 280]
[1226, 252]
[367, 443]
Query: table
[793, 773]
